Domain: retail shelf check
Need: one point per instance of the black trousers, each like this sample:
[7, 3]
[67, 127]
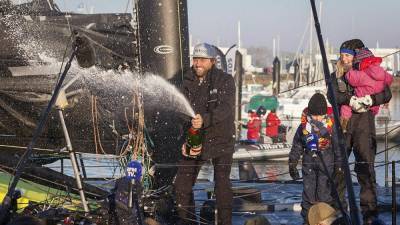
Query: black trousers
[186, 178]
[316, 185]
[361, 140]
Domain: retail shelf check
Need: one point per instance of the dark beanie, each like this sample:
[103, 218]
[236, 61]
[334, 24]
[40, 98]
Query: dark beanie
[352, 44]
[317, 105]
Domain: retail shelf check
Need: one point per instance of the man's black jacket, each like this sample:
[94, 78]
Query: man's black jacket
[214, 100]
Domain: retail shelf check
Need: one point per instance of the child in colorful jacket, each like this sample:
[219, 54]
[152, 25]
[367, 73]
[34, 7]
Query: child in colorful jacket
[315, 133]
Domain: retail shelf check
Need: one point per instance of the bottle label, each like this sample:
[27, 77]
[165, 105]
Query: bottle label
[193, 143]
[196, 149]
[193, 151]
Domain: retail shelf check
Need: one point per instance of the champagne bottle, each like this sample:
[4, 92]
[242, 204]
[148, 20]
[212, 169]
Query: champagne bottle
[194, 142]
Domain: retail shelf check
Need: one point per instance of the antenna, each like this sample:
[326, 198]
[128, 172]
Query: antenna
[273, 48]
[278, 46]
[239, 41]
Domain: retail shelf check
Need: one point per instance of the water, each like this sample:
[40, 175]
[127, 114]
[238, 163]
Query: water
[156, 91]
[165, 94]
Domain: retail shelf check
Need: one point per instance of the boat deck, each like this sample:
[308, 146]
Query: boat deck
[280, 202]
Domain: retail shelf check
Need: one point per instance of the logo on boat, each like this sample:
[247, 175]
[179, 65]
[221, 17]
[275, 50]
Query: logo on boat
[274, 146]
[163, 49]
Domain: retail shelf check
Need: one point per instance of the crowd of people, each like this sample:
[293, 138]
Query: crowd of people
[273, 128]
[359, 85]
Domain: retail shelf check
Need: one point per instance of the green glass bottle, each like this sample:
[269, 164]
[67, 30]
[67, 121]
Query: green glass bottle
[194, 143]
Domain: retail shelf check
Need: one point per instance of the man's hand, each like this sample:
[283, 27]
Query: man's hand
[357, 105]
[294, 173]
[197, 121]
[184, 150]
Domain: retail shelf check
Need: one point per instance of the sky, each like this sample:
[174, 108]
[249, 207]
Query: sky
[215, 21]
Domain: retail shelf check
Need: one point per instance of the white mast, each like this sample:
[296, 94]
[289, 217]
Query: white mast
[310, 66]
[273, 48]
[398, 62]
[278, 46]
[320, 12]
[239, 41]
[190, 42]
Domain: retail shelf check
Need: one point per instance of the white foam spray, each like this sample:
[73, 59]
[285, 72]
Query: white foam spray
[157, 92]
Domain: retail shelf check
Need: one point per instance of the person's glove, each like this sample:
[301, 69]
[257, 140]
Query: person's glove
[367, 100]
[357, 105]
[323, 144]
[293, 172]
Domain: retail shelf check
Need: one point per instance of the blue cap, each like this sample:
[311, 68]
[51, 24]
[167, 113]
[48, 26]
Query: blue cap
[204, 50]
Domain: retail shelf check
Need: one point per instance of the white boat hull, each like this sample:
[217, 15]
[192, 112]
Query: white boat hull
[278, 151]
[393, 130]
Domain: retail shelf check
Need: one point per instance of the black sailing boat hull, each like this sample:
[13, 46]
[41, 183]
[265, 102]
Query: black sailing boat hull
[113, 41]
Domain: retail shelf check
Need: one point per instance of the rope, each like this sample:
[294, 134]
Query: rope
[96, 132]
[391, 53]
[177, 165]
[184, 208]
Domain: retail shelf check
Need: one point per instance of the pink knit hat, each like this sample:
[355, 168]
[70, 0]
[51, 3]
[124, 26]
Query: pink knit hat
[363, 53]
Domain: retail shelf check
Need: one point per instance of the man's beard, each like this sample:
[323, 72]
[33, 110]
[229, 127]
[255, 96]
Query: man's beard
[201, 73]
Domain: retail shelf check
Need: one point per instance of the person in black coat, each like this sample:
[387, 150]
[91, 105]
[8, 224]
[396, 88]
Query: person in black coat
[211, 93]
[314, 136]
[360, 131]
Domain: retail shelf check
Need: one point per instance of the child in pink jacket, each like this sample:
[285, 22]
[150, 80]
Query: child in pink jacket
[367, 78]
